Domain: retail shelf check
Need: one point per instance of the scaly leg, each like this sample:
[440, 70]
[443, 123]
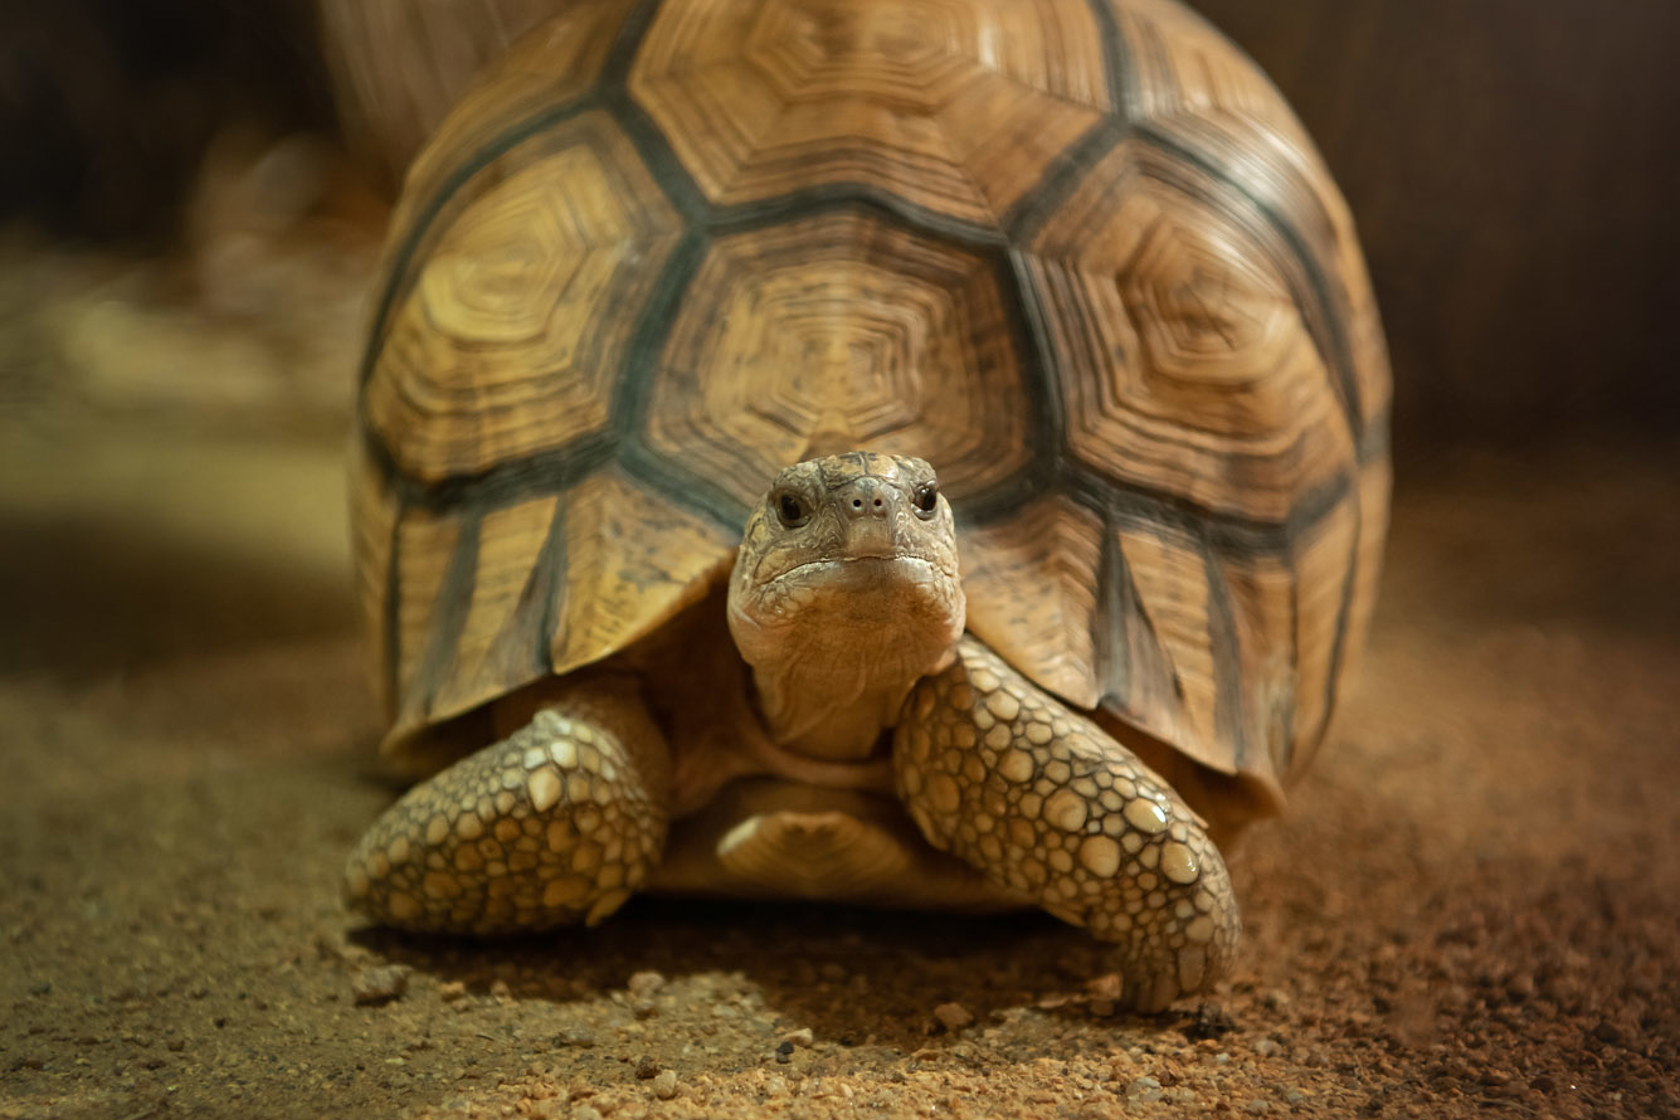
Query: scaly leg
[1044, 802]
[555, 825]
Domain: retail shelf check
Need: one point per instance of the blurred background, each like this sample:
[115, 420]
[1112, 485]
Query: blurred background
[1513, 168]
[193, 194]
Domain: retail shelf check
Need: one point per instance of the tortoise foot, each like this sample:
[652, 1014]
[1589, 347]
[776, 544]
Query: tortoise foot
[556, 825]
[1043, 802]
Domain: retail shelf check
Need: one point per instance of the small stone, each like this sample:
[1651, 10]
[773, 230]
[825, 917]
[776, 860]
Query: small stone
[1144, 1089]
[576, 1036]
[665, 1084]
[1266, 1047]
[954, 1016]
[1294, 1096]
[802, 1038]
[499, 990]
[586, 1112]
[1275, 1000]
[647, 1068]
[644, 984]
[452, 990]
[1108, 986]
[379, 983]
[1257, 1108]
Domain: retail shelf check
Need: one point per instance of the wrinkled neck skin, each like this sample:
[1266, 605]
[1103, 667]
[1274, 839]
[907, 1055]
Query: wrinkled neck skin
[833, 678]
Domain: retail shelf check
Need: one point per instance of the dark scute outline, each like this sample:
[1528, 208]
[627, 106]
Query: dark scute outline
[402, 261]
[1229, 719]
[1050, 471]
[391, 618]
[1117, 59]
[452, 602]
[552, 559]
[1335, 349]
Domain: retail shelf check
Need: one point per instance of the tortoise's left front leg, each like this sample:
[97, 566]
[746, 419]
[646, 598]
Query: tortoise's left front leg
[1044, 802]
[555, 825]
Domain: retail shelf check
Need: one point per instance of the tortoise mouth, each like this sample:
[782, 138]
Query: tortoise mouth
[906, 567]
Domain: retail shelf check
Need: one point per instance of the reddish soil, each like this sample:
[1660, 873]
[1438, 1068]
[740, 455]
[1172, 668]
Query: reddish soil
[1472, 909]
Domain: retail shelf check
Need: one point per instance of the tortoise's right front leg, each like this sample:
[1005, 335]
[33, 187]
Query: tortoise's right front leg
[1042, 801]
[555, 825]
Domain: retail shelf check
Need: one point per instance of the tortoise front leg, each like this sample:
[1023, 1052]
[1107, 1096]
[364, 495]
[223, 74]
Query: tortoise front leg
[1044, 802]
[555, 825]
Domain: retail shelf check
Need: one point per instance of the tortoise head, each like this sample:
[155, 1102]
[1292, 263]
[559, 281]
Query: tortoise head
[849, 566]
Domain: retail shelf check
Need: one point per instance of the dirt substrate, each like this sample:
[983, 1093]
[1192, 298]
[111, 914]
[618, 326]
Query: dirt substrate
[1473, 909]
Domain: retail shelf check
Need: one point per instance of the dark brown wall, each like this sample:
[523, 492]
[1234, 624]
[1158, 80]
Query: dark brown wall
[106, 106]
[1515, 171]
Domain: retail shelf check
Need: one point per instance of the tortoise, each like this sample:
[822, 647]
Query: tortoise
[1032, 346]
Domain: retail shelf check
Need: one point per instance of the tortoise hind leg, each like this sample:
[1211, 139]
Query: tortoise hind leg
[1042, 801]
[555, 825]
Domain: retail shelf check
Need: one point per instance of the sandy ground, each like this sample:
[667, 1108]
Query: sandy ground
[1473, 908]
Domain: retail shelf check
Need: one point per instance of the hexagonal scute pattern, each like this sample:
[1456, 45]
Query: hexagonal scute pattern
[839, 331]
[517, 317]
[1077, 253]
[954, 107]
[1180, 343]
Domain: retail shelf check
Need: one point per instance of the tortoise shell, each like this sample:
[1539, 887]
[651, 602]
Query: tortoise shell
[1076, 253]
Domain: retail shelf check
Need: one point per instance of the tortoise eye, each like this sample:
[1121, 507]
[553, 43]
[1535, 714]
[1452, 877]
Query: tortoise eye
[791, 510]
[926, 499]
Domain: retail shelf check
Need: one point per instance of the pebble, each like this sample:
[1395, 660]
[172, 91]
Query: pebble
[451, 991]
[586, 1112]
[803, 1037]
[953, 1015]
[1107, 987]
[665, 1084]
[1144, 1089]
[644, 984]
[379, 983]
[499, 990]
[1266, 1047]
[1258, 1108]
[647, 1067]
[576, 1036]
